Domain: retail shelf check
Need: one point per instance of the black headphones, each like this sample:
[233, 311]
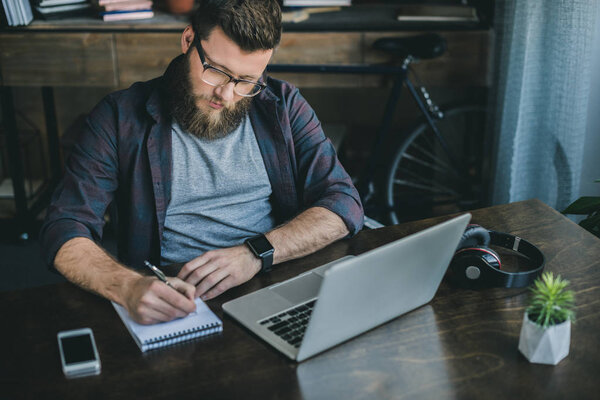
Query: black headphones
[476, 266]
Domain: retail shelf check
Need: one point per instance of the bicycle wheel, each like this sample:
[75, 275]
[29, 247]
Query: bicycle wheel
[428, 178]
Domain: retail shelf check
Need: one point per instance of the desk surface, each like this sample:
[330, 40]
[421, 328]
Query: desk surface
[461, 345]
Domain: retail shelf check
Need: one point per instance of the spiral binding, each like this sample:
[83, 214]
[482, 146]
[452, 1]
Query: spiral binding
[181, 336]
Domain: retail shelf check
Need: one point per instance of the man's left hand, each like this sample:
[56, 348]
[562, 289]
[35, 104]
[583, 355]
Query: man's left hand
[216, 271]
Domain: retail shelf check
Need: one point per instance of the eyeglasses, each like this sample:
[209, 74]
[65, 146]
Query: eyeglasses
[216, 77]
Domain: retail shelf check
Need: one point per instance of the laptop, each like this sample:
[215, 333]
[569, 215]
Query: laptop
[330, 304]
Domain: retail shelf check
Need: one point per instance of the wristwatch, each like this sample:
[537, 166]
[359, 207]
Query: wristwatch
[261, 248]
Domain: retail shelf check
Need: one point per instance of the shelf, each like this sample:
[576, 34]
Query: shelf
[358, 18]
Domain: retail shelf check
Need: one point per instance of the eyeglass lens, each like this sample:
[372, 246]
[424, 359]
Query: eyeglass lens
[217, 78]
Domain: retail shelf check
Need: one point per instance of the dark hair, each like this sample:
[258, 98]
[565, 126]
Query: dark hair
[251, 24]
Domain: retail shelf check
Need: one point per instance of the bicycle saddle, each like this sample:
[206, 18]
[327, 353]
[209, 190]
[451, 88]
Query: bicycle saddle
[429, 45]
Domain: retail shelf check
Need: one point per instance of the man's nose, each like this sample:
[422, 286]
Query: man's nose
[226, 92]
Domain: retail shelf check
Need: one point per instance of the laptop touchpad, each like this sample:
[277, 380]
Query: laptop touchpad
[300, 289]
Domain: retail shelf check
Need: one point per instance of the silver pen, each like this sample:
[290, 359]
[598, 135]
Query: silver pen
[158, 273]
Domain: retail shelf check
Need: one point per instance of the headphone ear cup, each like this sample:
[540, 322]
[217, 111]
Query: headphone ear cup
[490, 256]
[485, 253]
[470, 263]
[474, 236]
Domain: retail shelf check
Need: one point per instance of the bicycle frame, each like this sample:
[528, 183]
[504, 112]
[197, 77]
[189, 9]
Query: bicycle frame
[400, 72]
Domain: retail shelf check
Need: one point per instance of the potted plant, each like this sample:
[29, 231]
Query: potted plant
[590, 206]
[546, 331]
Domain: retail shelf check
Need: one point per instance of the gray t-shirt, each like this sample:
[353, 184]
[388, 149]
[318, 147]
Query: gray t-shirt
[219, 195]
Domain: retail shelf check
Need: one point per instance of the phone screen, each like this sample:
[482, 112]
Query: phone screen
[77, 349]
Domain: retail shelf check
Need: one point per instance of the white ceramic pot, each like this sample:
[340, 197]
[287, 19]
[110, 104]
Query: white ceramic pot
[544, 345]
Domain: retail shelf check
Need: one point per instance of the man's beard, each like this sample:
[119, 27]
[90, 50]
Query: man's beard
[182, 104]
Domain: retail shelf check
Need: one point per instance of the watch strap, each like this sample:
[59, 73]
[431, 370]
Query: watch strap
[267, 262]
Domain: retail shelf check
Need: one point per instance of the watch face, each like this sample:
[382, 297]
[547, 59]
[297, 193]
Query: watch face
[261, 245]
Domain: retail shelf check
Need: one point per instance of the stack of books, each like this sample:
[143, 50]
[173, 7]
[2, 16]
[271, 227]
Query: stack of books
[16, 12]
[58, 9]
[121, 10]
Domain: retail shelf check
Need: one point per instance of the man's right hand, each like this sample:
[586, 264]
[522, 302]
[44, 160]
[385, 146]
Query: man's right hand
[150, 301]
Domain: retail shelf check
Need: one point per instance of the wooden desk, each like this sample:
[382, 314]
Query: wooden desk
[461, 345]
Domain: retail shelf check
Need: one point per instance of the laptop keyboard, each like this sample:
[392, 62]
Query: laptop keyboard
[291, 324]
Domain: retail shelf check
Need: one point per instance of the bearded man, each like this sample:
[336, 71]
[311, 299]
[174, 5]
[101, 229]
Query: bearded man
[214, 165]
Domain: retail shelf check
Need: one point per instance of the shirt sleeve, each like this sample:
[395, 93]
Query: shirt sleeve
[322, 180]
[79, 202]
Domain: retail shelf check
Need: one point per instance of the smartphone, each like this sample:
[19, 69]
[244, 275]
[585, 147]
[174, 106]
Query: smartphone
[78, 353]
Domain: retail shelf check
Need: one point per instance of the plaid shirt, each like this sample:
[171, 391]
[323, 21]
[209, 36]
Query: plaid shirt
[124, 156]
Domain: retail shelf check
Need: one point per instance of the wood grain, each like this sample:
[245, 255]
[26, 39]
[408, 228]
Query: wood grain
[144, 56]
[57, 59]
[320, 48]
[118, 59]
[461, 345]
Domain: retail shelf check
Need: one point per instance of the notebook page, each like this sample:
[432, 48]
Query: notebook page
[203, 316]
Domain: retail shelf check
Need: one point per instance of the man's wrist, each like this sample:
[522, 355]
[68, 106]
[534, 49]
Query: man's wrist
[123, 291]
[262, 249]
[256, 262]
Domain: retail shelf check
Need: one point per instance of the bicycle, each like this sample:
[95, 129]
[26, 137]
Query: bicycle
[436, 167]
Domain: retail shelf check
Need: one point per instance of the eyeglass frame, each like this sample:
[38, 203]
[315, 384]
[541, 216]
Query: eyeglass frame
[205, 65]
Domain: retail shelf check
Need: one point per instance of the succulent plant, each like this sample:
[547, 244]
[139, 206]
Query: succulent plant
[551, 303]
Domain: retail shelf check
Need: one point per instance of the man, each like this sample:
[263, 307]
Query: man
[213, 165]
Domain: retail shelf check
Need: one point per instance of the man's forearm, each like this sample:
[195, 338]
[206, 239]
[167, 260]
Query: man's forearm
[216, 271]
[310, 231]
[86, 264]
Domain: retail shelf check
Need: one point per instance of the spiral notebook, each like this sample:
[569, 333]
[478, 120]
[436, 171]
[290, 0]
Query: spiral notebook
[202, 322]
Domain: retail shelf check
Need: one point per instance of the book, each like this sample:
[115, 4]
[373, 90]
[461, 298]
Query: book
[17, 12]
[127, 15]
[62, 8]
[129, 5]
[64, 11]
[51, 3]
[82, 12]
[27, 12]
[200, 323]
[436, 13]
[105, 2]
[21, 12]
[7, 13]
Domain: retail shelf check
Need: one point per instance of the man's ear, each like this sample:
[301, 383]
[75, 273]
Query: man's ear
[187, 37]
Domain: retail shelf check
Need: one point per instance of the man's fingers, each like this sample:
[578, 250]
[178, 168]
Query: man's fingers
[210, 281]
[153, 301]
[202, 272]
[175, 299]
[211, 272]
[182, 287]
[152, 315]
[150, 311]
[221, 287]
[192, 265]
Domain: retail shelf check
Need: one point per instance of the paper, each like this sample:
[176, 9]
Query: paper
[199, 323]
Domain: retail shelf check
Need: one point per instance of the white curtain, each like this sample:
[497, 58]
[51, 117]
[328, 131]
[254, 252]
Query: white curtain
[545, 60]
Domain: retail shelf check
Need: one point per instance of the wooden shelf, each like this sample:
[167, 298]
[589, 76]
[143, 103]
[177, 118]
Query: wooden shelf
[358, 18]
